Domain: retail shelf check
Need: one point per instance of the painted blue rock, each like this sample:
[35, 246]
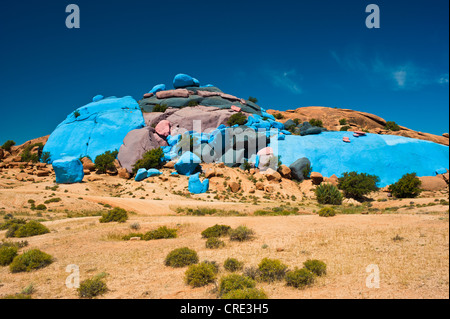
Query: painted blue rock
[97, 98]
[95, 128]
[158, 88]
[187, 163]
[153, 172]
[183, 80]
[441, 170]
[141, 175]
[68, 170]
[196, 186]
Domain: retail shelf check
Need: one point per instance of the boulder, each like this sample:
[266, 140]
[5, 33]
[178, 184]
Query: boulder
[234, 187]
[87, 164]
[163, 128]
[68, 170]
[445, 135]
[170, 165]
[284, 171]
[272, 175]
[196, 186]
[298, 167]
[432, 183]
[140, 175]
[157, 88]
[97, 98]
[184, 80]
[173, 93]
[2, 153]
[289, 123]
[334, 180]
[42, 173]
[187, 164]
[95, 128]
[316, 178]
[210, 172]
[123, 173]
[21, 177]
[153, 172]
[269, 189]
[236, 108]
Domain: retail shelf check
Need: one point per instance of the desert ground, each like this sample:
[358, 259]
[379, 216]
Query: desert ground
[407, 239]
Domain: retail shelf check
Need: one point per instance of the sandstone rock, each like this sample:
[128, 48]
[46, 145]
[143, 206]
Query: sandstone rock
[234, 187]
[236, 108]
[172, 93]
[251, 191]
[272, 175]
[210, 172]
[41, 165]
[93, 178]
[284, 171]
[135, 238]
[351, 201]
[21, 177]
[42, 173]
[88, 164]
[117, 164]
[445, 135]
[334, 180]
[221, 165]
[123, 173]
[259, 186]
[316, 178]
[170, 164]
[31, 178]
[111, 172]
[17, 159]
[87, 172]
[269, 189]
[2, 153]
[432, 183]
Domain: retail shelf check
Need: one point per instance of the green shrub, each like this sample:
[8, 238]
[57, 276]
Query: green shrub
[318, 267]
[27, 156]
[328, 194]
[327, 212]
[41, 207]
[159, 108]
[46, 157]
[32, 228]
[278, 116]
[17, 296]
[315, 122]
[234, 282]
[342, 121]
[160, 233]
[232, 264]
[200, 275]
[192, 103]
[30, 260]
[406, 187]
[216, 231]
[214, 243]
[345, 128]
[238, 118]
[392, 126]
[115, 215]
[7, 255]
[8, 144]
[271, 270]
[131, 235]
[151, 159]
[357, 185]
[246, 293]
[91, 288]
[181, 257]
[241, 233]
[300, 278]
[105, 161]
[52, 200]
[307, 171]
[252, 272]
[253, 99]
[12, 222]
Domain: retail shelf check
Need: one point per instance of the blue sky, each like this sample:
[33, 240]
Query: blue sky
[288, 54]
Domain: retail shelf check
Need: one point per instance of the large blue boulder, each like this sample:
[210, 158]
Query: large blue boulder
[183, 80]
[68, 170]
[141, 175]
[187, 164]
[158, 88]
[95, 128]
[153, 172]
[196, 186]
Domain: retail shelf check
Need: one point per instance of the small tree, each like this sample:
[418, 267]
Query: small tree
[8, 144]
[238, 118]
[159, 108]
[406, 187]
[151, 159]
[392, 126]
[343, 121]
[315, 122]
[357, 185]
[253, 99]
[105, 161]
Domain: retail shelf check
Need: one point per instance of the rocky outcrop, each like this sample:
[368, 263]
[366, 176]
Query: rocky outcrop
[432, 183]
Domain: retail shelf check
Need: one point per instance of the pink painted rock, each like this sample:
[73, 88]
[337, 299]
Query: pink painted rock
[265, 151]
[163, 128]
[235, 108]
[207, 93]
[147, 95]
[173, 93]
[135, 144]
[229, 97]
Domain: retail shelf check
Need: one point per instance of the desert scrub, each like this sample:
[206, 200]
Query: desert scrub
[392, 126]
[52, 200]
[277, 211]
[8, 144]
[241, 233]
[204, 211]
[343, 122]
[115, 215]
[17, 296]
[271, 270]
[30, 260]
[328, 194]
[91, 288]
[247, 293]
[181, 257]
[151, 159]
[160, 233]
[238, 118]
[200, 275]
[159, 108]
[105, 161]
[7, 254]
[315, 122]
[232, 264]
[300, 278]
[327, 212]
[357, 185]
[41, 207]
[32, 228]
[317, 267]
[133, 235]
[214, 243]
[234, 282]
[406, 187]
[216, 231]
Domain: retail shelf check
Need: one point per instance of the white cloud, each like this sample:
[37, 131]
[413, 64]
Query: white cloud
[284, 80]
[443, 79]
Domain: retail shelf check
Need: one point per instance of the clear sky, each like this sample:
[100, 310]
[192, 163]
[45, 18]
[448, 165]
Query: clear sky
[288, 54]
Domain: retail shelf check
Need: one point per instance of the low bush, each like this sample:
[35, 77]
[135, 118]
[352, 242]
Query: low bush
[115, 215]
[160, 233]
[214, 243]
[345, 128]
[406, 187]
[52, 200]
[159, 108]
[357, 185]
[241, 233]
[216, 231]
[200, 275]
[278, 116]
[234, 282]
[327, 212]
[41, 207]
[28, 156]
[30, 260]
[105, 161]
[8, 144]
[272, 270]
[181, 257]
[246, 293]
[252, 272]
[32, 228]
[318, 267]
[151, 159]
[91, 288]
[315, 122]
[343, 122]
[392, 126]
[238, 118]
[328, 194]
[300, 278]
[17, 296]
[7, 255]
[253, 99]
[307, 171]
[11, 222]
[232, 264]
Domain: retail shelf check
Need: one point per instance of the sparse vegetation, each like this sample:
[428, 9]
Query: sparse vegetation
[214, 243]
[7, 254]
[91, 288]
[247, 293]
[345, 128]
[278, 116]
[32, 228]
[200, 275]
[318, 267]
[151, 159]
[8, 144]
[327, 212]
[241, 233]
[238, 118]
[216, 231]
[392, 126]
[271, 270]
[300, 278]
[315, 122]
[119, 215]
[406, 187]
[181, 257]
[160, 233]
[159, 108]
[105, 162]
[328, 194]
[253, 99]
[235, 282]
[232, 264]
[30, 260]
[343, 122]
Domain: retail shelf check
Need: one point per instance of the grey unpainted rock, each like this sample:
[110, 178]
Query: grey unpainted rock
[298, 167]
